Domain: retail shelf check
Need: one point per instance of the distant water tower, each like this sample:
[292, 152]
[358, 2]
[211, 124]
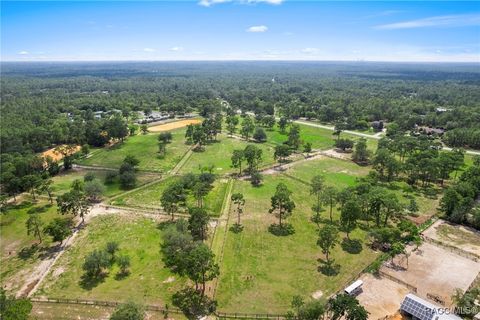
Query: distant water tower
[273, 79]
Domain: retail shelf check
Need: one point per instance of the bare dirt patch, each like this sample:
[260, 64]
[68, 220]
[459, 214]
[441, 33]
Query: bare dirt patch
[173, 125]
[57, 156]
[454, 235]
[317, 294]
[434, 271]
[334, 153]
[381, 296]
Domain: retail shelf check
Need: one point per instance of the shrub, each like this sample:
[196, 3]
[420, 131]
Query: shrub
[110, 177]
[95, 262]
[89, 176]
[128, 311]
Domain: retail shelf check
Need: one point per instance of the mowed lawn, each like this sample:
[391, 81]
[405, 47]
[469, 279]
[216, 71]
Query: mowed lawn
[336, 172]
[21, 252]
[320, 138]
[63, 181]
[139, 238]
[150, 196]
[145, 149]
[343, 173]
[219, 155]
[261, 272]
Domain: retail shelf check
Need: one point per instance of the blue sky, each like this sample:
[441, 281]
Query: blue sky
[240, 30]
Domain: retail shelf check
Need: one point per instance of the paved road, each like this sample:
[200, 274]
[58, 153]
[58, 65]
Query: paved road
[366, 135]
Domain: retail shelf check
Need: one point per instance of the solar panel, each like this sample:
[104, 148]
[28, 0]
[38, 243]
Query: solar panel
[418, 309]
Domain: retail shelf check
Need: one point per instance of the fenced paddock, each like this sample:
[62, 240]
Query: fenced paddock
[434, 271]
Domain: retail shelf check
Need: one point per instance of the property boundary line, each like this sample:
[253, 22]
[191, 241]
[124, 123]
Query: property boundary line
[101, 303]
[469, 255]
[390, 277]
[226, 210]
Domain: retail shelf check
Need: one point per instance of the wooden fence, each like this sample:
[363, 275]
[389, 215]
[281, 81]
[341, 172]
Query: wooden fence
[102, 304]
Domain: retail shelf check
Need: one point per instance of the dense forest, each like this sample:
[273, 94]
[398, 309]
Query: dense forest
[44, 105]
[37, 97]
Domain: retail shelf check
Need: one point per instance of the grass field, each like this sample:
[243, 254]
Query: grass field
[62, 182]
[261, 272]
[149, 281]
[340, 173]
[219, 154]
[59, 311]
[145, 148]
[150, 196]
[320, 138]
[20, 251]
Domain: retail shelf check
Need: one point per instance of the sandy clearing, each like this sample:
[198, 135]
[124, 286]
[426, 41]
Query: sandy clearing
[381, 296]
[56, 156]
[434, 270]
[463, 238]
[173, 125]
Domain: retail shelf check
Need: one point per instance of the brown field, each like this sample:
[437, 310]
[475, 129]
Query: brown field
[173, 125]
[458, 236]
[381, 296]
[56, 156]
[434, 270]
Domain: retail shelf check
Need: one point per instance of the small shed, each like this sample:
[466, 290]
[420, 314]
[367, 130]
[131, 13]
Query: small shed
[355, 288]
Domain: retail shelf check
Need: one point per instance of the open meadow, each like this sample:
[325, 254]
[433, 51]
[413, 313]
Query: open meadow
[149, 197]
[63, 181]
[139, 238]
[22, 252]
[218, 154]
[261, 272]
[145, 149]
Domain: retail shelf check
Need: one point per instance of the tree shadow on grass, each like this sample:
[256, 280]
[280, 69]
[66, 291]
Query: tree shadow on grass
[28, 252]
[88, 282]
[122, 275]
[285, 229]
[328, 268]
[321, 220]
[353, 246]
[165, 224]
[236, 228]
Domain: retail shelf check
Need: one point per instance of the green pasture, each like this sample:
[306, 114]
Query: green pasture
[150, 196]
[145, 149]
[149, 280]
[261, 272]
[22, 252]
[63, 181]
[219, 155]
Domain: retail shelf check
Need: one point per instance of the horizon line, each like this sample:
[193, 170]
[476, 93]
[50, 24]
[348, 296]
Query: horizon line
[240, 60]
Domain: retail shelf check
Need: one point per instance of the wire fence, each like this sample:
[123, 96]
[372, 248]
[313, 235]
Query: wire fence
[390, 277]
[469, 255]
[225, 315]
[102, 303]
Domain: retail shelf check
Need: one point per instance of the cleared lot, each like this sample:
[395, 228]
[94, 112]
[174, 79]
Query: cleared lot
[173, 125]
[434, 271]
[458, 236]
[381, 296]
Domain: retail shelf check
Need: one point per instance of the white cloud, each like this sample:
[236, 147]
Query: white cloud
[208, 3]
[176, 49]
[149, 50]
[309, 50]
[459, 20]
[23, 53]
[257, 29]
